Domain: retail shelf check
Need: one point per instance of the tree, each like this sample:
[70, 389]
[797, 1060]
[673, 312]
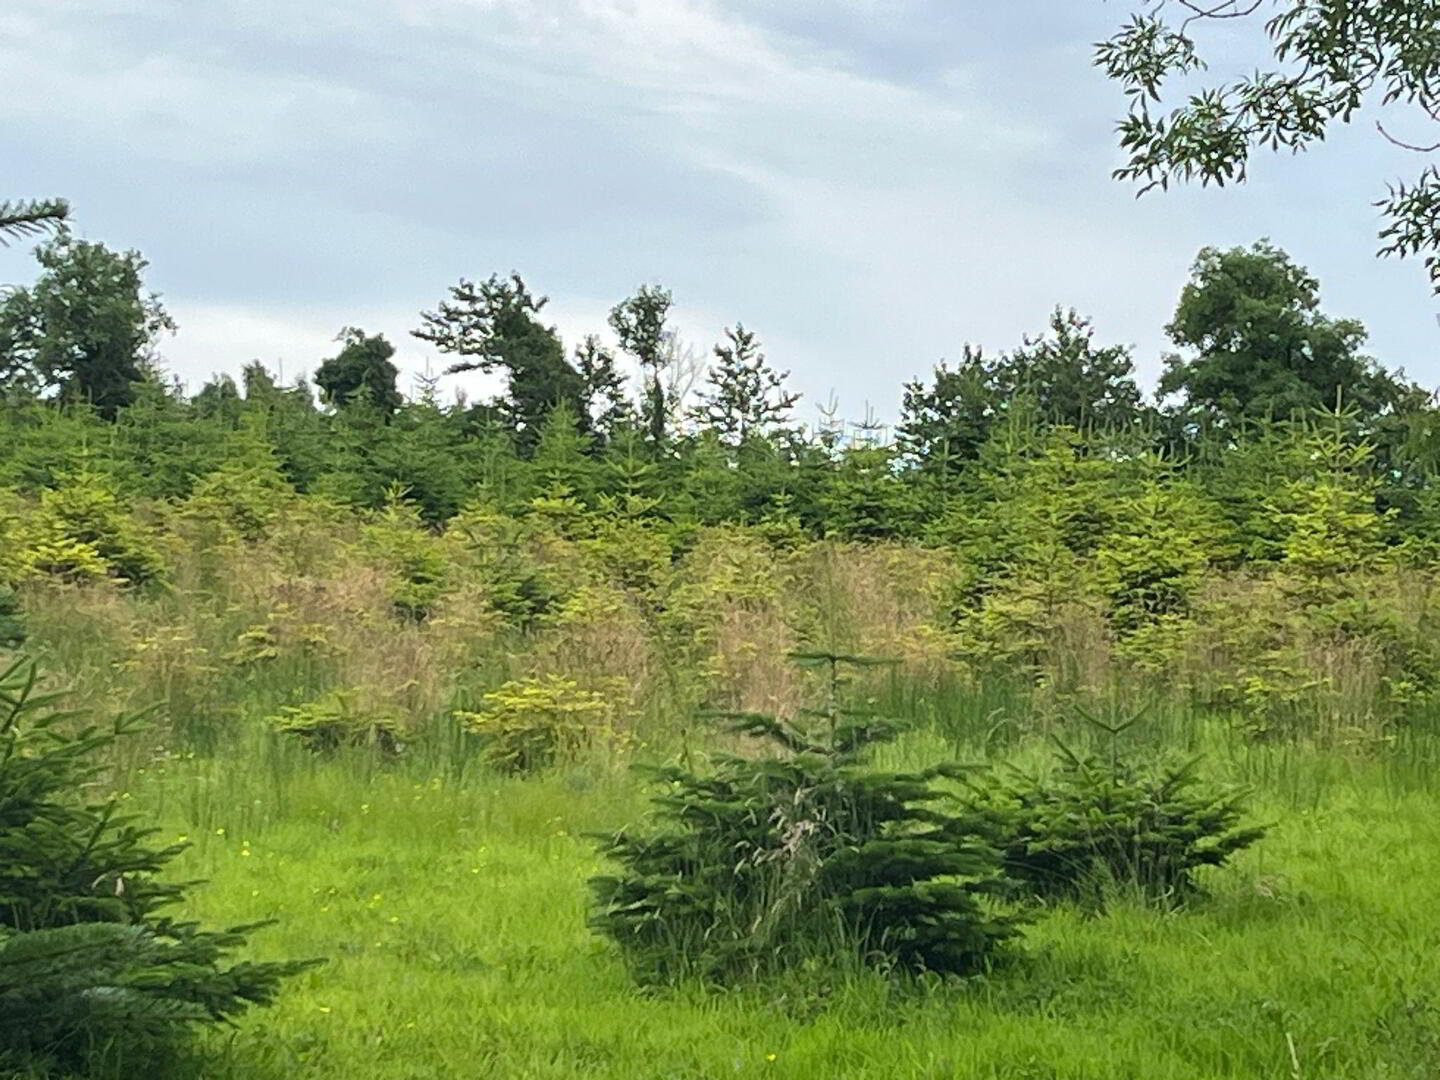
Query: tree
[607, 406]
[494, 325]
[945, 424]
[362, 367]
[86, 330]
[639, 323]
[1071, 381]
[219, 399]
[772, 862]
[31, 217]
[745, 395]
[1331, 58]
[1262, 347]
[1062, 377]
[90, 963]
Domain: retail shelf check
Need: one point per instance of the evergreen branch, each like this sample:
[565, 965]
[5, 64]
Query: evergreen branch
[33, 217]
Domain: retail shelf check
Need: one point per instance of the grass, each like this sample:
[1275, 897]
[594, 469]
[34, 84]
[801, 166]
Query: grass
[451, 902]
[453, 913]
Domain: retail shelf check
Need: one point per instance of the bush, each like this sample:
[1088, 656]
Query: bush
[531, 724]
[808, 854]
[338, 720]
[1097, 823]
[88, 964]
[82, 531]
[413, 557]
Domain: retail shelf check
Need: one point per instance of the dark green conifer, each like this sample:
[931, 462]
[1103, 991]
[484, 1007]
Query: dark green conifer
[89, 961]
[805, 853]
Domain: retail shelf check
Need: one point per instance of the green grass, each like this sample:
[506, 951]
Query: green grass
[452, 911]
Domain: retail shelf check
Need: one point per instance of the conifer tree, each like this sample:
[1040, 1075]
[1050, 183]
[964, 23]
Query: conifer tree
[89, 961]
[745, 397]
[607, 406]
[31, 217]
[810, 852]
[494, 325]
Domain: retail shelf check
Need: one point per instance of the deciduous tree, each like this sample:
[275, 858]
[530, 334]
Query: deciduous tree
[1331, 59]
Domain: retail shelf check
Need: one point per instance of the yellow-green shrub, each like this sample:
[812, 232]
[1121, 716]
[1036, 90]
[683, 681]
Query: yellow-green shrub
[533, 723]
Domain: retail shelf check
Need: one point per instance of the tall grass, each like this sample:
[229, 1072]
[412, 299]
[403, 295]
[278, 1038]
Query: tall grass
[451, 899]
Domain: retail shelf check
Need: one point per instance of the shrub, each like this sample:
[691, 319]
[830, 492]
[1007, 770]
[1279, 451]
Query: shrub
[413, 556]
[82, 531]
[761, 864]
[338, 720]
[531, 724]
[88, 963]
[1102, 822]
[243, 497]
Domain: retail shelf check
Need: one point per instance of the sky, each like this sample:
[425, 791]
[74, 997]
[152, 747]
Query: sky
[867, 184]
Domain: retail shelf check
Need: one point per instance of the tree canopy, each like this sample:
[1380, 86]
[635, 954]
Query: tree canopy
[361, 370]
[85, 331]
[495, 325]
[1258, 344]
[1331, 60]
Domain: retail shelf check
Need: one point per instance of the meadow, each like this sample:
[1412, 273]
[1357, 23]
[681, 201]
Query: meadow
[449, 896]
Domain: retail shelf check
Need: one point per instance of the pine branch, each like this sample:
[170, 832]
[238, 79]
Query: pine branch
[31, 218]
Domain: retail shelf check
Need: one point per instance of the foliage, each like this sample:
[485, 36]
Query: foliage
[764, 864]
[81, 532]
[1071, 382]
[744, 396]
[534, 723]
[1163, 543]
[413, 556]
[494, 325]
[516, 582]
[340, 719]
[1262, 347]
[12, 619]
[1103, 822]
[30, 217]
[1331, 59]
[363, 367]
[606, 403]
[639, 323]
[88, 961]
[944, 425]
[246, 495]
[85, 331]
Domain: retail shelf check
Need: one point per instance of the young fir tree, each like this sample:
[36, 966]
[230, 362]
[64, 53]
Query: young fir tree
[607, 407]
[89, 961]
[808, 853]
[745, 396]
[1100, 823]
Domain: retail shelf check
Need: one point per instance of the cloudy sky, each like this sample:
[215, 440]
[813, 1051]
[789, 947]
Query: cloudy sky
[868, 184]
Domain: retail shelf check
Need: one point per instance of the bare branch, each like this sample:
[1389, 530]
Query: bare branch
[1403, 144]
